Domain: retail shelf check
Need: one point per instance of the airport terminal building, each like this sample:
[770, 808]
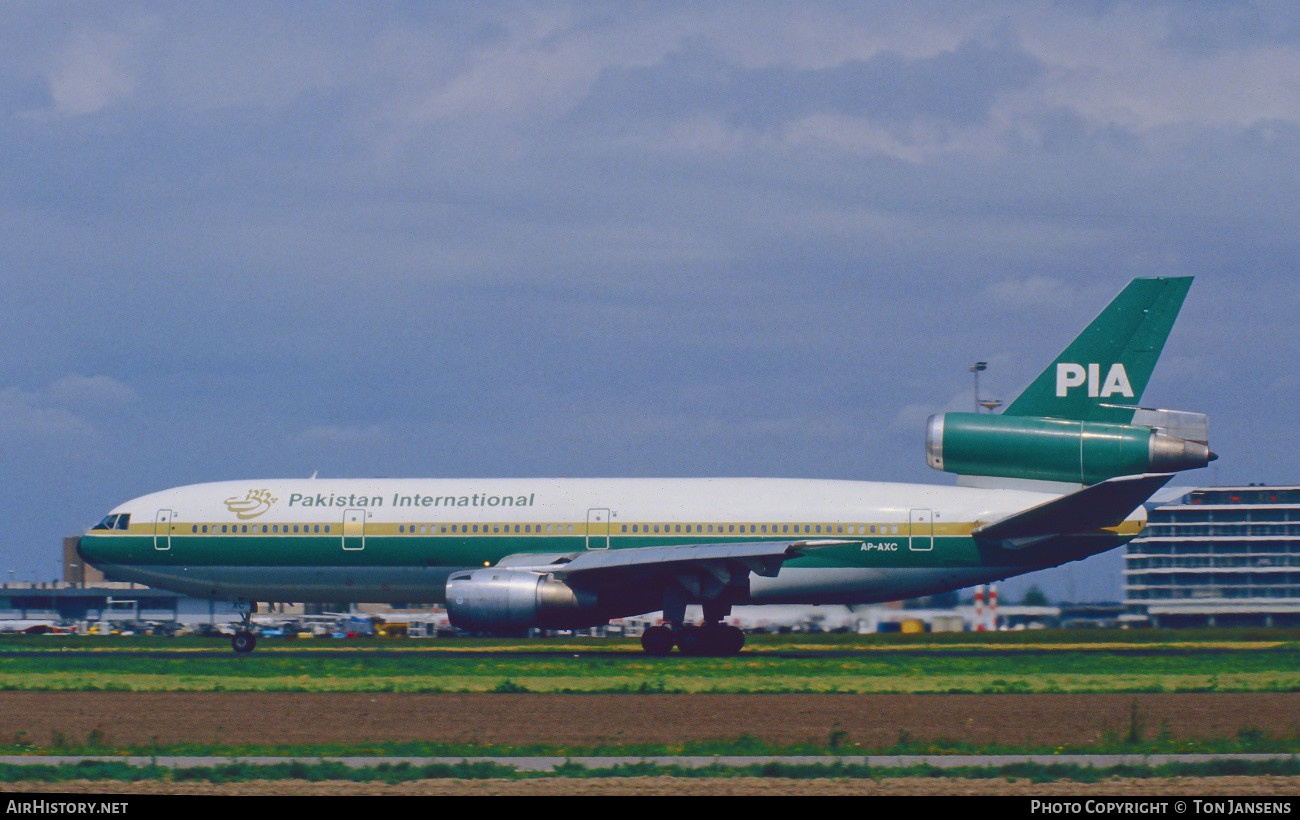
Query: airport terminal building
[1218, 556]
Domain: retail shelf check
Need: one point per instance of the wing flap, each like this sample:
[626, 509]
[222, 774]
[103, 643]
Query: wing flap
[762, 557]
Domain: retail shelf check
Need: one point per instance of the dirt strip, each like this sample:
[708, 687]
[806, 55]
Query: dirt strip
[1252, 788]
[53, 719]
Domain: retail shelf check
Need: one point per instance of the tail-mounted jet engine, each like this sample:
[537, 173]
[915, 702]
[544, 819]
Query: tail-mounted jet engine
[1054, 449]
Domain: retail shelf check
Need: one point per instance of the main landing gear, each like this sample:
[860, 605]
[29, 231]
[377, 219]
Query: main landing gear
[712, 639]
[244, 640]
[709, 640]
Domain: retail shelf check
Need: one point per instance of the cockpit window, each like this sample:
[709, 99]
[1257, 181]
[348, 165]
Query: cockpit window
[120, 521]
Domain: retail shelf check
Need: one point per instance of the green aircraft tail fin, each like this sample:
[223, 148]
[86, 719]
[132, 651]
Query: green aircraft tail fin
[1100, 376]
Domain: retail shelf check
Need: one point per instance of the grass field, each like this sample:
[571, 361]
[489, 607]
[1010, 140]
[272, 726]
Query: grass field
[974, 663]
[1042, 662]
[239, 772]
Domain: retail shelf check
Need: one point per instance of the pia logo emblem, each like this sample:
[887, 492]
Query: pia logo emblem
[251, 505]
[1070, 376]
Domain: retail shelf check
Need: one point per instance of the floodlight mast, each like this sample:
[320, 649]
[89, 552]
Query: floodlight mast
[975, 370]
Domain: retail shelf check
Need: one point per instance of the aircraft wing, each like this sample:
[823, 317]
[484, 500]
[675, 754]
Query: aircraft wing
[760, 557]
[1093, 508]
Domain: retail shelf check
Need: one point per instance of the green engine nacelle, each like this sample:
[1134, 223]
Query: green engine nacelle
[1047, 449]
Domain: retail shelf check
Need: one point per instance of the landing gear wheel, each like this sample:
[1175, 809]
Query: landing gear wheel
[657, 640]
[712, 641]
[728, 640]
[243, 642]
[693, 641]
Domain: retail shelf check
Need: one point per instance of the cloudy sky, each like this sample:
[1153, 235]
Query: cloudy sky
[635, 239]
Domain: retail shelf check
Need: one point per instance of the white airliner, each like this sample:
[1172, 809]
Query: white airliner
[1060, 475]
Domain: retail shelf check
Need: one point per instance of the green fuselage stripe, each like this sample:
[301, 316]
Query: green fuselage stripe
[883, 551]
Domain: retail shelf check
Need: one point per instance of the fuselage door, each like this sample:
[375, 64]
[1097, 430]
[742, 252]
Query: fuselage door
[354, 530]
[922, 527]
[162, 529]
[598, 528]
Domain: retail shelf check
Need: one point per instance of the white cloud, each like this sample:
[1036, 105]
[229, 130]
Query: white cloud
[64, 410]
[28, 418]
[537, 72]
[1029, 292]
[91, 72]
[1119, 67]
[335, 437]
[91, 391]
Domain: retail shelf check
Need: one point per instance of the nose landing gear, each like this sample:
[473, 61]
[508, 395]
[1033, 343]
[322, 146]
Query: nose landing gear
[244, 640]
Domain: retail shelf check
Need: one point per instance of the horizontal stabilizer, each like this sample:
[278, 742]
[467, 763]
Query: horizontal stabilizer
[1093, 508]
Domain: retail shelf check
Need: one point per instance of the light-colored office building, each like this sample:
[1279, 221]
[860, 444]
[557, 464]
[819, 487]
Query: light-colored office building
[1218, 556]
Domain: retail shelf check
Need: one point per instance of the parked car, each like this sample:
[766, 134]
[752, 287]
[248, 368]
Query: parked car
[213, 631]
